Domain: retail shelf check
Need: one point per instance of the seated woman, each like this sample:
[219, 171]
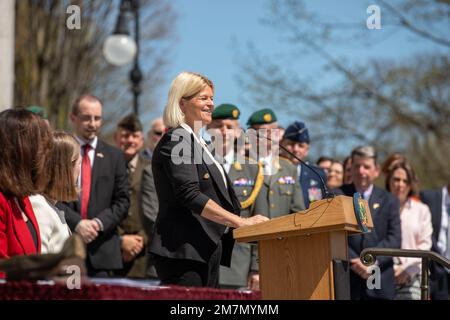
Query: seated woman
[26, 141]
[63, 167]
[416, 227]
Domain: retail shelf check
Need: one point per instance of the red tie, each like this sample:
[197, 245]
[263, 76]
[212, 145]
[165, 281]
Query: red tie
[85, 180]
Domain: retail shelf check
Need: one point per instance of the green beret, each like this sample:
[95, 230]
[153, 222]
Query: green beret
[38, 110]
[263, 116]
[226, 111]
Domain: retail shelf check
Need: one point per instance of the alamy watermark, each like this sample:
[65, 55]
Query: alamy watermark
[374, 20]
[73, 21]
[374, 280]
[73, 280]
[248, 146]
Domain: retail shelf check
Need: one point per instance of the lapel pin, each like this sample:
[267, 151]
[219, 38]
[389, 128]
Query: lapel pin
[206, 176]
[376, 205]
[100, 155]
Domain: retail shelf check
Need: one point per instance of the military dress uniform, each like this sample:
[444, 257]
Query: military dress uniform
[270, 195]
[309, 180]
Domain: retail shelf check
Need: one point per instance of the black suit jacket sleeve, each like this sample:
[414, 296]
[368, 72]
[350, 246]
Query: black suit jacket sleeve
[72, 217]
[393, 238]
[118, 210]
[115, 211]
[183, 172]
[149, 201]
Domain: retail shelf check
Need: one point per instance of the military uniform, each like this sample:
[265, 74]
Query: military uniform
[311, 184]
[132, 224]
[273, 196]
[309, 181]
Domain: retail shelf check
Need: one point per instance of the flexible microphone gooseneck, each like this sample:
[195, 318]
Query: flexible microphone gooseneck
[323, 187]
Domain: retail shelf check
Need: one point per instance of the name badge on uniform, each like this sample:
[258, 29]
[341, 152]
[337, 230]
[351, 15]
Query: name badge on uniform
[286, 180]
[243, 182]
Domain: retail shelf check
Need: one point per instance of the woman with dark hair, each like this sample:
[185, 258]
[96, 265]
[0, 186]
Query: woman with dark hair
[347, 164]
[26, 141]
[416, 228]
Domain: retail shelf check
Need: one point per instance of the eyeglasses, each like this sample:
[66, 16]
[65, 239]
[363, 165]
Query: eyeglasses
[158, 133]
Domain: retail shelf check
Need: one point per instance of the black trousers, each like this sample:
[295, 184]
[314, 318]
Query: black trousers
[189, 273]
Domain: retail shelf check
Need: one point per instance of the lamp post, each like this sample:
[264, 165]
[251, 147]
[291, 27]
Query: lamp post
[120, 49]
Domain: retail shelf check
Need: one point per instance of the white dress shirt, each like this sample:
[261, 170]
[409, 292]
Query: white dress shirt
[91, 154]
[228, 160]
[268, 168]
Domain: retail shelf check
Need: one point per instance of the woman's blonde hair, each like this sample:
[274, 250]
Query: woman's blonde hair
[186, 85]
[60, 167]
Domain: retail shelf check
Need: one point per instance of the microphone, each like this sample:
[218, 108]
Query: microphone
[326, 193]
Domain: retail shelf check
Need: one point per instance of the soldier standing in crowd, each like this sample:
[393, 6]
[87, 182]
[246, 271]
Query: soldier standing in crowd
[247, 178]
[280, 192]
[130, 139]
[296, 140]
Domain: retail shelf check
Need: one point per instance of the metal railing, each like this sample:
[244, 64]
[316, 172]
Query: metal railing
[369, 255]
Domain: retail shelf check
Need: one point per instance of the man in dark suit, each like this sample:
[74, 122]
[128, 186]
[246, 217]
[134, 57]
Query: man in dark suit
[104, 195]
[439, 202]
[384, 208]
[130, 139]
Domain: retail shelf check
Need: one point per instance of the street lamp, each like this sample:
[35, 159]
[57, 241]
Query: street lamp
[120, 49]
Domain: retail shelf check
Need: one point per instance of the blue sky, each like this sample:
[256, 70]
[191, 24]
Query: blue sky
[208, 30]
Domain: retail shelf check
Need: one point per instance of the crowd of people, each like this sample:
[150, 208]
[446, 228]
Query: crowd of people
[165, 209]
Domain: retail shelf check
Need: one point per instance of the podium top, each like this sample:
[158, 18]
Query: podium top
[334, 214]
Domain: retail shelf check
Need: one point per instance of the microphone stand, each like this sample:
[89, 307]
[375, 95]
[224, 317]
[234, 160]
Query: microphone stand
[326, 194]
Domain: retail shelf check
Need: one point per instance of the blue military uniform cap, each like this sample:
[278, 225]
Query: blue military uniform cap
[297, 132]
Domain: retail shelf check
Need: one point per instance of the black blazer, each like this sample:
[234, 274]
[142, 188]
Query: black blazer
[109, 202]
[183, 189]
[385, 211]
[439, 286]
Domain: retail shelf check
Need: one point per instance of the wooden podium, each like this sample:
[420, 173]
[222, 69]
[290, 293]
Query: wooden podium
[300, 253]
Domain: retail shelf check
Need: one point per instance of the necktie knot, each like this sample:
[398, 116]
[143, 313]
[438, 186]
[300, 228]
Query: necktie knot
[86, 148]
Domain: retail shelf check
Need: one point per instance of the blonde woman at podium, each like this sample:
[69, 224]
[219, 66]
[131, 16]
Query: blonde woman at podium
[197, 203]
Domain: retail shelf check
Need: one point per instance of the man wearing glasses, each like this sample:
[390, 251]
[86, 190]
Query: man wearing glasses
[104, 191]
[157, 129]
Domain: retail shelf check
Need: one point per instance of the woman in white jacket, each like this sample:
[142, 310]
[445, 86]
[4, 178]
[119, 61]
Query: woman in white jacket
[63, 167]
[416, 226]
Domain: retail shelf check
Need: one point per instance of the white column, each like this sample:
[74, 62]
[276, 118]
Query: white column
[7, 53]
